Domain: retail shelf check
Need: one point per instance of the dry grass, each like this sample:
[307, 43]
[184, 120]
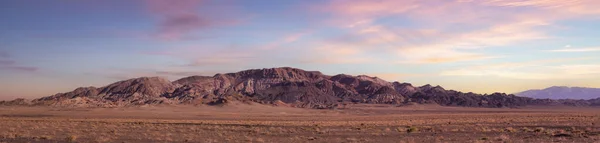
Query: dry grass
[350, 125]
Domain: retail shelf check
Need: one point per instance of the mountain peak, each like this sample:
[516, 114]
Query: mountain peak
[281, 72]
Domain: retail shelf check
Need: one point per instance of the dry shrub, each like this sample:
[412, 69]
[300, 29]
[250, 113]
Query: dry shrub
[538, 130]
[412, 129]
[45, 137]
[484, 129]
[71, 138]
[400, 129]
[510, 130]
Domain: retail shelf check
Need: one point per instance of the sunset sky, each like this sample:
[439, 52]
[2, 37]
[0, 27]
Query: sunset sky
[483, 46]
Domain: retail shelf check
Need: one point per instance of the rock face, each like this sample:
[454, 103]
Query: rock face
[562, 92]
[278, 86]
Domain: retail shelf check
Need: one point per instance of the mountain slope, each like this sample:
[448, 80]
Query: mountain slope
[562, 92]
[289, 86]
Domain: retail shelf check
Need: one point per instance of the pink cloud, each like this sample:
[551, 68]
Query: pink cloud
[157, 53]
[368, 9]
[179, 18]
[550, 9]
[447, 31]
[438, 39]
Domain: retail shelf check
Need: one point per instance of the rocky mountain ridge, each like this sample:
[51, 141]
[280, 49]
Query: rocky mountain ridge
[279, 86]
[562, 92]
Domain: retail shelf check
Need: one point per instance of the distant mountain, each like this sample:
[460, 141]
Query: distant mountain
[562, 92]
[279, 86]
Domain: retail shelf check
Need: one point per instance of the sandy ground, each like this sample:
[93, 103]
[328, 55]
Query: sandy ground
[238, 122]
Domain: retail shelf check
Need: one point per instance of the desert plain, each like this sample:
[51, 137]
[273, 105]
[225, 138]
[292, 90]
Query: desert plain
[242, 122]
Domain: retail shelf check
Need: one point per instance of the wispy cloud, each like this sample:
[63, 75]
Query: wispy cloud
[453, 58]
[19, 68]
[12, 66]
[576, 50]
[433, 41]
[180, 18]
[459, 47]
[8, 64]
[533, 3]
[366, 39]
[538, 70]
[563, 7]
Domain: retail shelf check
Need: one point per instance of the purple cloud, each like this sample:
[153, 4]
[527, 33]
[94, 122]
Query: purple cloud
[4, 54]
[6, 62]
[178, 18]
[19, 68]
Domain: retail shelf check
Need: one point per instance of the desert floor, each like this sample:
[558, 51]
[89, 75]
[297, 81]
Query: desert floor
[239, 122]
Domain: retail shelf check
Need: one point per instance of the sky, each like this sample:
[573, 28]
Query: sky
[481, 46]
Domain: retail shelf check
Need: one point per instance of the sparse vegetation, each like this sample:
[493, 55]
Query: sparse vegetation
[71, 138]
[539, 130]
[297, 125]
[412, 129]
[510, 130]
[45, 137]
[399, 129]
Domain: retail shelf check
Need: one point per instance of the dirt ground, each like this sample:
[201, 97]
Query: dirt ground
[239, 122]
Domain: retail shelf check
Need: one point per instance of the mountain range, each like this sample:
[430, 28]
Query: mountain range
[283, 86]
[562, 92]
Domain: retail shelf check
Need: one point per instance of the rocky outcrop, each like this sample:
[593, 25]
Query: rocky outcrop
[277, 86]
